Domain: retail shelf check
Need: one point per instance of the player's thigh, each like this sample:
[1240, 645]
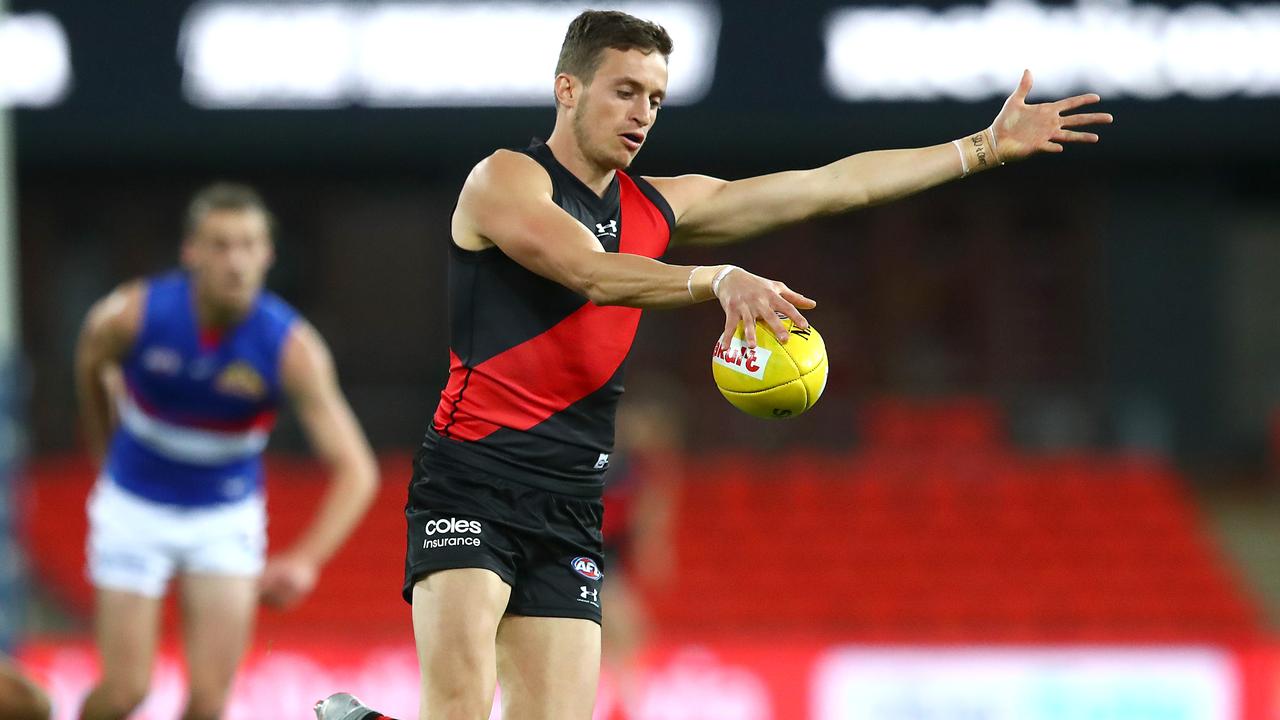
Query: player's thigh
[548, 667]
[624, 626]
[455, 623]
[549, 643]
[130, 563]
[218, 613]
[128, 548]
[126, 628]
[222, 557]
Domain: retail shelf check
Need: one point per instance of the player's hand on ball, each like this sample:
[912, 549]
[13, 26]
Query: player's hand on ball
[1022, 130]
[287, 579]
[746, 298]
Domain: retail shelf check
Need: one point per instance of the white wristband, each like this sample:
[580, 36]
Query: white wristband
[964, 164]
[689, 284]
[715, 282]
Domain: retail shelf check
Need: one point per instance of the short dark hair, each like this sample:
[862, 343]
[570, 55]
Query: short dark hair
[595, 30]
[223, 196]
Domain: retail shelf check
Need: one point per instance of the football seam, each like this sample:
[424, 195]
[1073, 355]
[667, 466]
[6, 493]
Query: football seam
[795, 363]
[800, 377]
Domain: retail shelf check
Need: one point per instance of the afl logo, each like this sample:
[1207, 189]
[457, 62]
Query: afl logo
[587, 568]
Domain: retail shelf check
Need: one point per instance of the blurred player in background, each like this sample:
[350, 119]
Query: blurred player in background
[640, 494]
[20, 698]
[179, 378]
[555, 252]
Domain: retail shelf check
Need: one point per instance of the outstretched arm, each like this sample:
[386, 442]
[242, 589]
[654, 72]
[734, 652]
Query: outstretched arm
[710, 211]
[311, 383]
[507, 202]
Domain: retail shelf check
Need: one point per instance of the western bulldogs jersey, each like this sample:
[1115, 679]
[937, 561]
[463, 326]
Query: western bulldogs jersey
[196, 411]
[536, 369]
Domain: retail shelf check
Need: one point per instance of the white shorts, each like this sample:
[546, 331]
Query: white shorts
[136, 545]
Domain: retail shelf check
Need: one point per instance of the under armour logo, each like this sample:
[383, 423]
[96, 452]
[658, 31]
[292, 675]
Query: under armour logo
[610, 228]
[602, 462]
[588, 594]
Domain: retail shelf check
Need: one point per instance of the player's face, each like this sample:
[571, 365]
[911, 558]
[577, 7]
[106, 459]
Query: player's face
[229, 255]
[618, 109]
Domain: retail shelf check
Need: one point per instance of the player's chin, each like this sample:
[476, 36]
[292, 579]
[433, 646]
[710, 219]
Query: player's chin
[238, 296]
[624, 158]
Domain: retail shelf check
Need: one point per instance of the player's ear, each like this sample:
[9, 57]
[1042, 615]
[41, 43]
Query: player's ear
[567, 89]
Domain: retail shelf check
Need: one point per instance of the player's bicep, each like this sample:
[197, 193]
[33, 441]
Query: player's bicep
[507, 200]
[710, 210]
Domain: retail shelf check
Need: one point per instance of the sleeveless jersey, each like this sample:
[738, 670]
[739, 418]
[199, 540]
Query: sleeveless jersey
[535, 368]
[196, 412]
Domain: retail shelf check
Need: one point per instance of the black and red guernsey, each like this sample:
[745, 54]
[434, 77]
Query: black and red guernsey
[535, 368]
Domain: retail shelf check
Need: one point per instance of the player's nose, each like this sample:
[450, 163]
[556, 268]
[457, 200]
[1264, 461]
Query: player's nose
[642, 114]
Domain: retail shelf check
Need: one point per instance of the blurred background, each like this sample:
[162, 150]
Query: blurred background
[1041, 483]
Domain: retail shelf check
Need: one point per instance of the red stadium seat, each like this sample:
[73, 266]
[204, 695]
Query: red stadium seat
[892, 546]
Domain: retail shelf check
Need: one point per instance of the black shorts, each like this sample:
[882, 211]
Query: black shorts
[545, 545]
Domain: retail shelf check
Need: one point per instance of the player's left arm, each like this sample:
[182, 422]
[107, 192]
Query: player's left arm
[710, 211]
[311, 382]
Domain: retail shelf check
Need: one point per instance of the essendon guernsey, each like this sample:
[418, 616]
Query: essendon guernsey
[536, 369]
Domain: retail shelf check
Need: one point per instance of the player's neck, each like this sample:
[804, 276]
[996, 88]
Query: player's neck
[214, 315]
[570, 155]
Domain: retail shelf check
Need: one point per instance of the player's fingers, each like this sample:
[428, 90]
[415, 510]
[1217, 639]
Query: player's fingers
[797, 299]
[1086, 119]
[748, 329]
[774, 322]
[730, 327]
[1073, 136]
[1076, 101]
[800, 321]
[793, 313]
[1050, 147]
[1024, 86]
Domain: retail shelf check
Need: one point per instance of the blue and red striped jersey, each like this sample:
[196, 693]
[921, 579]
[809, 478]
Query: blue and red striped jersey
[197, 407]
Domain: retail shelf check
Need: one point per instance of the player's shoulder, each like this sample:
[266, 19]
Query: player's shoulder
[684, 184]
[304, 355]
[128, 297]
[119, 313]
[275, 320]
[683, 192]
[276, 313]
[508, 171]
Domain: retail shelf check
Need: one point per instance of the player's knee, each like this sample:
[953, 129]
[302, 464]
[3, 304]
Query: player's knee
[204, 709]
[23, 701]
[122, 695]
[38, 705]
[458, 706]
[456, 688]
[206, 700]
[459, 669]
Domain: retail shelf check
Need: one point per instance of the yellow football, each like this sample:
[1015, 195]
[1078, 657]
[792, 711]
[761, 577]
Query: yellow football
[773, 380]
